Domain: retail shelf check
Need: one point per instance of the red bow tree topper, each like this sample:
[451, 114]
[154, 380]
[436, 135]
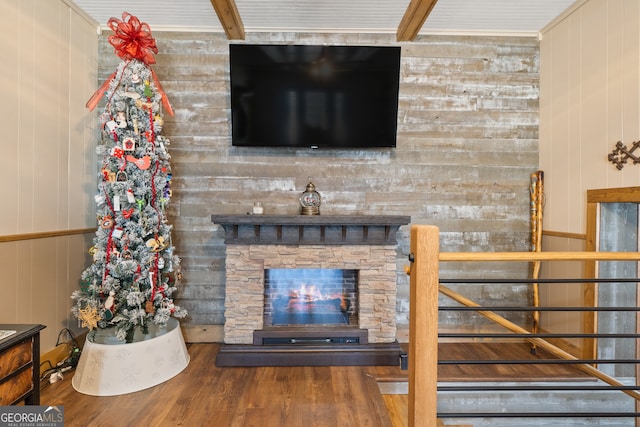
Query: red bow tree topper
[132, 40]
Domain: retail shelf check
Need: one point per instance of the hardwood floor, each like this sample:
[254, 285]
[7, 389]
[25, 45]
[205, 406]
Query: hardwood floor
[501, 372]
[204, 395]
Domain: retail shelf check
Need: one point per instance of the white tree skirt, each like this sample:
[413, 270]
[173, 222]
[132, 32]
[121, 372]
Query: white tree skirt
[118, 368]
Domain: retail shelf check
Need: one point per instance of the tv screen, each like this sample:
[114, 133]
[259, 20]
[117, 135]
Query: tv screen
[314, 96]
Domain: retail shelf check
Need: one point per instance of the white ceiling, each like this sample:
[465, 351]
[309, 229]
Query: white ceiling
[501, 17]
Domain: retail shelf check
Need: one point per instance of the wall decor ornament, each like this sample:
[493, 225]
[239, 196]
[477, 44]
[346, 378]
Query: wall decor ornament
[621, 154]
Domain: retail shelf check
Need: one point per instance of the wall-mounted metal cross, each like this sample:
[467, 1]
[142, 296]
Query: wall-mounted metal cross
[621, 154]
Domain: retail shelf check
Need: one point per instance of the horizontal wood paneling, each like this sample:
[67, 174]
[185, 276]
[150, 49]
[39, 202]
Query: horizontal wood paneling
[467, 142]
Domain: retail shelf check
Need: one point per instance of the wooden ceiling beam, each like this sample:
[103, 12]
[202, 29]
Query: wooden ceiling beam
[229, 17]
[413, 19]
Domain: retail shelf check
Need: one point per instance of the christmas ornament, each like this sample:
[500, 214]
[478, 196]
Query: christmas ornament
[128, 144]
[121, 119]
[108, 175]
[117, 233]
[143, 162]
[121, 176]
[107, 222]
[132, 95]
[89, 317]
[126, 213]
[156, 245]
[109, 303]
[149, 307]
[117, 152]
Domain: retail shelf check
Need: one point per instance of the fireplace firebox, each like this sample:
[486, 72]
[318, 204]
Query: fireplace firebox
[310, 296]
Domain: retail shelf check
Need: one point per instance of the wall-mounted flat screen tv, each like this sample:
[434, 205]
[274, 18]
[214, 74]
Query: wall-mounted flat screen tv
[314, 96]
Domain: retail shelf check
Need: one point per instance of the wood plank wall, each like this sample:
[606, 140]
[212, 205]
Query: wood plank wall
[467, 142]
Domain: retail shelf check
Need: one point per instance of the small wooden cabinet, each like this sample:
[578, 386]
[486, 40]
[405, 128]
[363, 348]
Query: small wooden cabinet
[20, 365]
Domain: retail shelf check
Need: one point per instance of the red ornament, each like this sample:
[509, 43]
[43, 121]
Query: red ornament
[143, 162]
[127, 213]
[149, 135]
[118, 152]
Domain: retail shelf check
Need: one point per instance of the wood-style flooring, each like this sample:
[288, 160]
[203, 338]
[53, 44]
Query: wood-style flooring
[205, 395]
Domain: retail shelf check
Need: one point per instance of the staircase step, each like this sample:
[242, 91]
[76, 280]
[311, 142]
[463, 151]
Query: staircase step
[527, 401]
[440, 423]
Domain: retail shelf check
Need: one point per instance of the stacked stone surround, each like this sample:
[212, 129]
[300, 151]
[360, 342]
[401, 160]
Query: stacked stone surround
[245, 265]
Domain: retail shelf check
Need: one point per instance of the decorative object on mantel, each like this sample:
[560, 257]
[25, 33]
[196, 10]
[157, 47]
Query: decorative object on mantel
[310, 200]
[126, 294]
[621, 154]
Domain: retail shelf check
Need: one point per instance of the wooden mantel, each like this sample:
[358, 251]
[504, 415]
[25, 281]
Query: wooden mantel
[311, 229]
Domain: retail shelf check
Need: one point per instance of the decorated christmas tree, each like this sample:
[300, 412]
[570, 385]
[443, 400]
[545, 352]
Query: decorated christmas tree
[135, 270]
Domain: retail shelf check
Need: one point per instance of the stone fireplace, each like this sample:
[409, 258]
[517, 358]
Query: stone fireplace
[256, 244]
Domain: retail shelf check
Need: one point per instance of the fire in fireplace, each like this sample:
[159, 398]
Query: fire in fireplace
[302, 296]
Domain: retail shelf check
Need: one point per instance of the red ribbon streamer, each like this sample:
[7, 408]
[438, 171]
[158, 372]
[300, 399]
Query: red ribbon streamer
[165, 100]
[109, 245]
[95, 98]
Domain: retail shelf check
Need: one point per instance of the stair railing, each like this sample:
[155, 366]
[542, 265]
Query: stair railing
[425, 285]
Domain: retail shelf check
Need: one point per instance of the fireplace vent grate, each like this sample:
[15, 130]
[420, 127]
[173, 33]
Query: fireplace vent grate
[311, 341]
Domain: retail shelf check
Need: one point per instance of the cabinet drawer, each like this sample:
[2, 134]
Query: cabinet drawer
[16, 387]
[15, 357]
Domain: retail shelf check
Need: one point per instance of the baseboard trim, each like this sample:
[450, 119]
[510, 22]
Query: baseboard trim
[203, 333]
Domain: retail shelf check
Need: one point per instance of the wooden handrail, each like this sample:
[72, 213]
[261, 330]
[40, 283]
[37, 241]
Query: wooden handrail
[538, 256]
[564, 234]
[45, 234]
